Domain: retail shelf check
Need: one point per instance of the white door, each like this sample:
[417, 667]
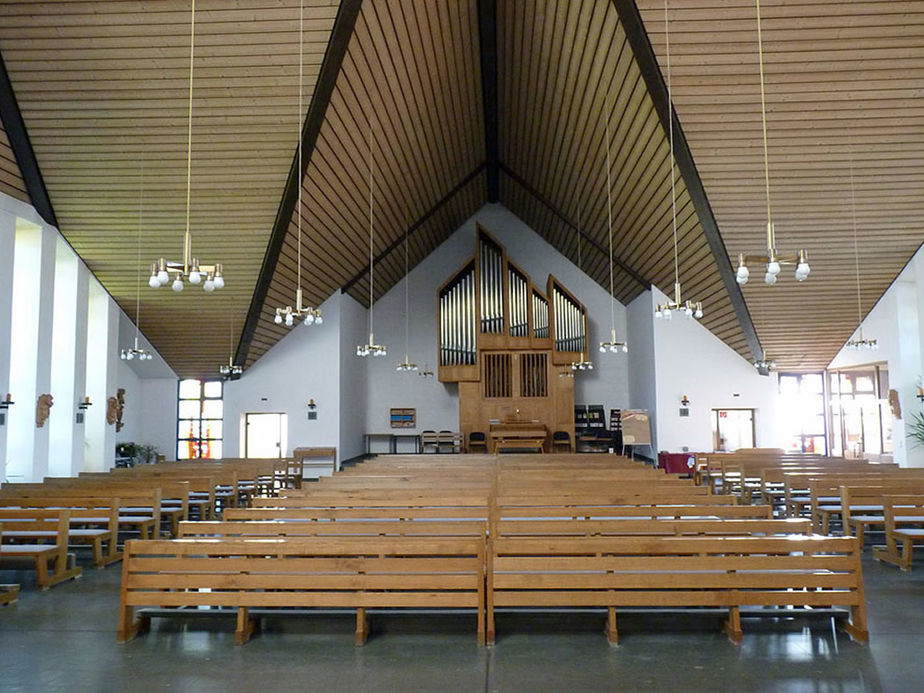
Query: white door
[264, 435]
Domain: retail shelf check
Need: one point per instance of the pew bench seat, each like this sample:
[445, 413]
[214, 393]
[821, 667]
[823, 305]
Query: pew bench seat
[677, 571]
[9, 593]
[95, 538]
[334, 572]
[57, 522]
[904, 527]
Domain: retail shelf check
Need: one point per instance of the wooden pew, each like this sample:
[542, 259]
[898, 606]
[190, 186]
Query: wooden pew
[93, 521]
[624, 527]
[35, 519]
[676, 571]
[864, 506]
[8, 593]
[904, 525]
[371, 572]
[139, 509]
[341, 527]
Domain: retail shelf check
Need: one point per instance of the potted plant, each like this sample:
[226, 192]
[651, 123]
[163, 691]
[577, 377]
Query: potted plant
[915, 430]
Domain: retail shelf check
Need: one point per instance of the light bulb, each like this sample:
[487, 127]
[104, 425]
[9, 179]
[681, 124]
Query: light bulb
[289, 320]
[154, 282]
[219, 282]
[163, 277]
[698, 314]
[195, 277]
[773, 267]
[590, 366]
[318, 320]
[177, 285]
[688, 311]
[802, 271]
[309, 319]
[658, 313]
[667, 313]
[130, 356]
[278, 318]
[602, 348]
[209, 285]
[742, 279]
[123, 355]
[625, 348]
[769, 279]
[743, 274]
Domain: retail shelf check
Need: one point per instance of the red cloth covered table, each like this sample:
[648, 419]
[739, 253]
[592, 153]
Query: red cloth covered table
[676, 462]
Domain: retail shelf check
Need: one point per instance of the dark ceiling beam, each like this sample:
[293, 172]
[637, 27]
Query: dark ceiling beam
[542, 199]
[327, 79]
[487, 39]
[632, 24]
[397, 243]
[22, 149]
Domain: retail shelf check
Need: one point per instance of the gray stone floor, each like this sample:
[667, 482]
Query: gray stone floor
[64, 640]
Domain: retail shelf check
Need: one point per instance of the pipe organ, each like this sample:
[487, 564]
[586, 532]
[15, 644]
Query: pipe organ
[505, 341]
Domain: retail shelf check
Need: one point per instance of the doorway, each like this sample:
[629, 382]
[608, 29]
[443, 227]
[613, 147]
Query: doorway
[732, 429]
[264, 435]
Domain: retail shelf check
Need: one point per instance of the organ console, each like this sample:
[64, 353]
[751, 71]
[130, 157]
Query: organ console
[505, 342]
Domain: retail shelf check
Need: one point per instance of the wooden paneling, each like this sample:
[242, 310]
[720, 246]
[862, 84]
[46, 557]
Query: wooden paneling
[843, 89]
[11, 182]
[411, 70]
[103, 89]
[563, 68]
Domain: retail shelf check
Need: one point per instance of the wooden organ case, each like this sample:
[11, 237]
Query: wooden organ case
[510, 347]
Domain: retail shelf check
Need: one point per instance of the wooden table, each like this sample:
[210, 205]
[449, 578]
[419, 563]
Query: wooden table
[518, 435]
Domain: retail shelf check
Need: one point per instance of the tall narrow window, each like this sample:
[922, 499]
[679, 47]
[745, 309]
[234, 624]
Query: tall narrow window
[199, 416]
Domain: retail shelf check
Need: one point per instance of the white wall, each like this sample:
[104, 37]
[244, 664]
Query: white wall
[691, 361]
[157, 409]
[437, 404]
[44, 335]
[303, 365]
[896, 321]
[354, 377]
[643, 393]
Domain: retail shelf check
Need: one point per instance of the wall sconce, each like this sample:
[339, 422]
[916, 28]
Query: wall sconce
[86, 403]
[426, 372]
[311, 404]
[684, 401]
[8, 402]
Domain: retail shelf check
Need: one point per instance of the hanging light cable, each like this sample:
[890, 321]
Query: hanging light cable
[773, 259]
[583, 364]
[689, 308]
[136, 351]
[232, 369]
[406, 366]
[613, 345]
[190, 267]
[861, 343]
[290, 315]
[371, 348]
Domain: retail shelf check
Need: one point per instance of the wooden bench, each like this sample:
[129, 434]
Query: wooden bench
[904, 526]
[684, 571]
[8, 593]
[340, 527]
[344, 572]
[863, 506]
[94, 522]
[540, 527]
[40, 520]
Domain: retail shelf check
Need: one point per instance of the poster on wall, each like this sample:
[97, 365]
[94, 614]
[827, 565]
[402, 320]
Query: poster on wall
[636, 427]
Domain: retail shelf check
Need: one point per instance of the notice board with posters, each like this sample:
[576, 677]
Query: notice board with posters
[636, 427]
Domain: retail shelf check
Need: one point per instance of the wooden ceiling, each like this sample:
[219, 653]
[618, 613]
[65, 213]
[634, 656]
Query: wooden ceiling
[102, 87]
[11, 181]
[843, 88]
[103, 90]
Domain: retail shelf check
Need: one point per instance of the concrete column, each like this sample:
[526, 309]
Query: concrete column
[78, 439]
[7, 246]
[44, 351]
[102, 364]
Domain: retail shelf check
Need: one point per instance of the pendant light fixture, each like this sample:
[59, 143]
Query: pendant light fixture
[137, 352]
[861, 343]
[689, 308]
[231, 370]
[773, 259]
[190, 267]
[612, 346]
[371, 348]
[291, 314]
[406, 366]
[583, 364]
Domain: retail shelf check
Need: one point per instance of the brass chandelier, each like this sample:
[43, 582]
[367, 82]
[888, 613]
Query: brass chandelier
[290, 314]
[773, 259]
[689, 308]
[190, 267]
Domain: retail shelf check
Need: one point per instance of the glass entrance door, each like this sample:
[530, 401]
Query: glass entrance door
[264, 435]
[732, 429]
